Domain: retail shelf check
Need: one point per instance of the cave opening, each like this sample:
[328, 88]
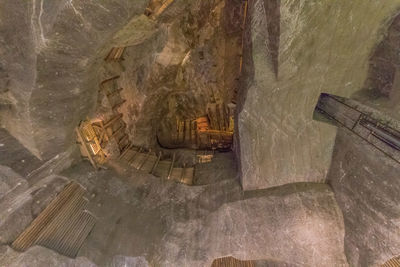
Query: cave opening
[192, 118]
[180, 133]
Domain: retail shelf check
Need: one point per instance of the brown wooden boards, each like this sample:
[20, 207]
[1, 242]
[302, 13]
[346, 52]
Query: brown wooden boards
[62, 226]
[231, 262]
[115, 54]
[154, 164]
[395, 262]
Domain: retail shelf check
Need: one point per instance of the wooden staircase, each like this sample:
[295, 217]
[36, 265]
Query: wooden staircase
[157, 165]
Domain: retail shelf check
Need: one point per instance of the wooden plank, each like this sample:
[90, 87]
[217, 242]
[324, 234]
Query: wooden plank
[109, 79]
[115, 106]
[144, 160]
[83, 145]
[125, 151]
[165, 5]
[231, 262]
[131, 160]
[59, 226]
[120, 52]
[138, 160]
[162, 168]
[156, 163]
[187, 176]
[148, 165]
[113, 120]
[28, 237]
[171, 166]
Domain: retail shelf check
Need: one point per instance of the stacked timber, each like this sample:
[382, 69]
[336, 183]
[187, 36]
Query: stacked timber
[62, 226]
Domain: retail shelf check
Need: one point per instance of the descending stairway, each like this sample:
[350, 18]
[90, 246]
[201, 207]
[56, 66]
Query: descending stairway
[155, 164]
[62, 226]
[212, 131]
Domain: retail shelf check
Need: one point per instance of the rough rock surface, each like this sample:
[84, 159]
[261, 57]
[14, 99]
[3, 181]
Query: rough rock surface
[176, 225]
[15, 206]
[21, 203]
[39, 257]
[320, 50]
[51, 51]
[52, 64]
[366, 185]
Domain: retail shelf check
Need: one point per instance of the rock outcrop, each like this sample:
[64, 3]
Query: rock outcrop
[320, 50]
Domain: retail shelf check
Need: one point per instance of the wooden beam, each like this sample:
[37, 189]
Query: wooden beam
[171, 167]
[82, 141]
[111, 122]
[156, 163]
[166, 4]
[145, 159]
[118, 104]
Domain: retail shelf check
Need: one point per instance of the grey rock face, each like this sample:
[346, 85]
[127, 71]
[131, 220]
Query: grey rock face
[279, 141]
[15, 205]
[366, 185]
[176, 225]
[11, 182]
[122, 261]
[39, 257]
[20, 204]
[51, 56]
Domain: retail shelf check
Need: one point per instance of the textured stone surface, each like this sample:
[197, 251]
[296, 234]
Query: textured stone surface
[39, 257]
[14, 155]
[320, 50]
[175, 225]
[21, 203]
[366, 185]
[15, 207]
[382, 87]
[172, 70]
[50, 52]
[11, 182]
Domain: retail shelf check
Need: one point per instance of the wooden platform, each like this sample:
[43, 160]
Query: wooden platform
[153, 163]
[231, 262]
[212, 131]
[62, 226]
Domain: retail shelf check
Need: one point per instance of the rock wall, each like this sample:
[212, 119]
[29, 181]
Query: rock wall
[177, 225]
[50, 53]
[324, 46]
[366, 185]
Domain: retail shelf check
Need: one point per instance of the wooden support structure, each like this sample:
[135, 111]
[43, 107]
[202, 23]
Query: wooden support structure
[163, 7]
[84, 149]
[117, 105]
[150, 163]
[350, 115]
[156, 163]
[112, 120]
[171, 166]
[115, 54]
[395, 262]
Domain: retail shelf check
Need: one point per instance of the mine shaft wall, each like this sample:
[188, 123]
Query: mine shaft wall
[323, 46]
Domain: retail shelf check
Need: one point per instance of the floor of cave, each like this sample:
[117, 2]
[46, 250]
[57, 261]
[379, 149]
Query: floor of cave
[134, 209]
